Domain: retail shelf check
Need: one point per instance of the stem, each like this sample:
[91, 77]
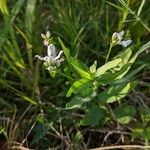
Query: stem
[146, 144]
[144, 25]
[122, 147]
[108, 53]
[66, 76]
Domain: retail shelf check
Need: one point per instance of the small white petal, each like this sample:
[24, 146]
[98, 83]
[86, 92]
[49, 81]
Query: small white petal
[45, 42]
[125, 43]
[48, 34]
[58, 56]
[43, 36]
[121, 33]
[115, 34]
[51, 50]
[117, 37]
[42, 58]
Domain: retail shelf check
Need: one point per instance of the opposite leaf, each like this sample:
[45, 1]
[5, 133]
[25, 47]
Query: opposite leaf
[80, 68]
[77, 86]
[78, 101]
[116, 92]
[107, 66]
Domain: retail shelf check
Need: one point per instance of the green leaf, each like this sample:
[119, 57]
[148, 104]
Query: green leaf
[113, 76]
[29, 15]
[77, 86]
[125, 64]
[80, 67]
[28, 45]
[66, 50]
[26, 98]
[125, 56]
[107, 66]
[93, 116]
[124, 113]
[2, 130]
[93, 67]
[131, 61]
[140, 8]
[141, 133]
[3, 7]
[78, 101]
[14, 54]
[144, 112]
[128, 77]
[142, 49]
[115, 92]
[20, 94]
[17, 8]
[137, 132]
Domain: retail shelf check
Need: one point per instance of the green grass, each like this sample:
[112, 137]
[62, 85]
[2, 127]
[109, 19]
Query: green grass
[33, 103]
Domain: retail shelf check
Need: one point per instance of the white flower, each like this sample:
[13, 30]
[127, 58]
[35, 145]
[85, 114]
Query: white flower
[46, 38]
[51, 58]
[117, 39]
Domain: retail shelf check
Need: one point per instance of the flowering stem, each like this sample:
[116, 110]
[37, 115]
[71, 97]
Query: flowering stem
[108, 53]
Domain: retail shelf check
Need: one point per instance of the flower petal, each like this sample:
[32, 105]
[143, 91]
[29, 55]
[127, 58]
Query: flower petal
[121, 33]
[125, 43]
[51, 50]
[58, 56]
[48, 34]
[43, 36]
[42, 58]
[115, 34]
[117, 37]
[45, 42]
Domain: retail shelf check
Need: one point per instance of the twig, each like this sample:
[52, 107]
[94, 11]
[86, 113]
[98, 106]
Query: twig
[61, 131]
[121, 146]
[106, 131]
[115, 119]
[20, 148]
[106, 137]
[28, 133]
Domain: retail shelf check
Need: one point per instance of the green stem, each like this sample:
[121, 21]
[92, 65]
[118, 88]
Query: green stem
[66, 76]
[146, 144]
[144, 25]
[108, 53]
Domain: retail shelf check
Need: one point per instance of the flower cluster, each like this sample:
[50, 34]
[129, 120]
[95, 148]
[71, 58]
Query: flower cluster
[117, 39]
[52, 60]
